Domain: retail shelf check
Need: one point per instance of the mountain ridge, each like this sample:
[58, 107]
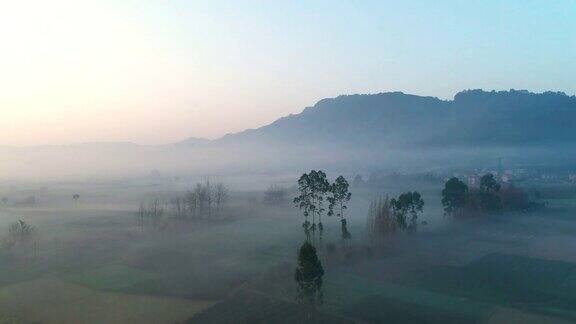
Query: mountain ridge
[398, 111]
[473, 117]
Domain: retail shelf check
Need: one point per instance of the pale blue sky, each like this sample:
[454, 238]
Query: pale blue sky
[158, 71]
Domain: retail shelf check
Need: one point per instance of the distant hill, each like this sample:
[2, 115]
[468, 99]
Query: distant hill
[394, 119]
[193, 141]
[356, 132]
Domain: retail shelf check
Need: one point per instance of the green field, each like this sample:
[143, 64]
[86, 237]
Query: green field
[55, 301]
[113, 277]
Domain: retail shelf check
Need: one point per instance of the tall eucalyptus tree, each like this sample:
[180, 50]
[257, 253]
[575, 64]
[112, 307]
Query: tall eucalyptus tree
[313, 188]
[338, 199]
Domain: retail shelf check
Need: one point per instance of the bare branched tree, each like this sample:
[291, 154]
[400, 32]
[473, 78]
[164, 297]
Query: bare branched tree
[220, 196]
[381, 220]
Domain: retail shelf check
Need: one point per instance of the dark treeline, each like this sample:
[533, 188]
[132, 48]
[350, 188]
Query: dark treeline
[490, 197]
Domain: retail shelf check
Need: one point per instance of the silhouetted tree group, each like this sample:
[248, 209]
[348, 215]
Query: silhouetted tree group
[338, 198]
[386, 216]
[314, 190]
[489, 198]
[454, 195]
[309, 275]
[406, 209]
[150, 214]
[205, 201]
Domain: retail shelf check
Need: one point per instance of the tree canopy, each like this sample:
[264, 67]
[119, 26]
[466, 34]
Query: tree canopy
[490, 202]
[454, 195]
[408, 204]
[309, 274]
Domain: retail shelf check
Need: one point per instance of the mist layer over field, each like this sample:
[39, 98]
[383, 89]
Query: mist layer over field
[95, 260]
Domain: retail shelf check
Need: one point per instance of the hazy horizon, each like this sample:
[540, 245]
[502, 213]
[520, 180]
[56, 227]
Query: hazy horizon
[155, 73]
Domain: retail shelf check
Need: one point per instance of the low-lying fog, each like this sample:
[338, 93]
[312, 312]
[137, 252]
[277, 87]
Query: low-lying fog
[172, 248]
[112, 161]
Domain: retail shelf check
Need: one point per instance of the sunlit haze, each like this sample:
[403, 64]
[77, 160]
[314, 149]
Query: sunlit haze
[154, 72]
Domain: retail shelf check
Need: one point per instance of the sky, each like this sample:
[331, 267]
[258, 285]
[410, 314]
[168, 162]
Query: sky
[153, 72]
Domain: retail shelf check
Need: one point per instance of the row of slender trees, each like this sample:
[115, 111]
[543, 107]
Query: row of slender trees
[204, 201]
[318, 196]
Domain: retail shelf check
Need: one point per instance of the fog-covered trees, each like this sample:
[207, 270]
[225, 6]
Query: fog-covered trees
[386, 216]
[220, 194]
[339, 195]
[454, 195]
[381, 219]
[309, 275]
[19, 232]
[275, 195]
[150, 214]
[406, 209]
[305, 202]
[178, 208]
[321, 188]
[489, 200]
[204, 202]
[314, 189]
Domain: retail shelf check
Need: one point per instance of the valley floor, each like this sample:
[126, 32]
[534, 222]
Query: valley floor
[95, 265]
